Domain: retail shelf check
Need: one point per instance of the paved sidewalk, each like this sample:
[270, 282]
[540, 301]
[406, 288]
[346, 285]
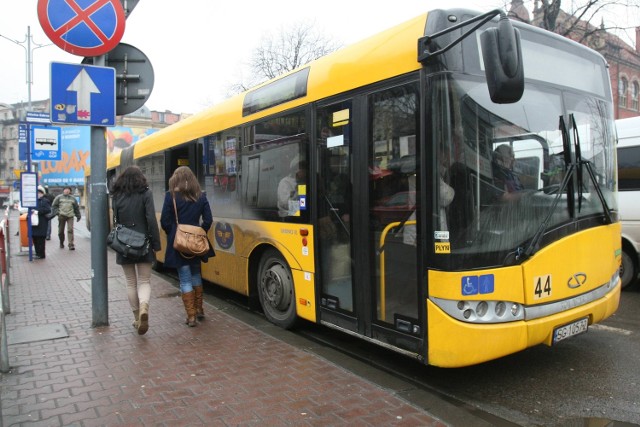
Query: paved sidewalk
[221, 373]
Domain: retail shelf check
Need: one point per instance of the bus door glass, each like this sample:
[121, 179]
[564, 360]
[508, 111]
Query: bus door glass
[393, 208]
[334, 205]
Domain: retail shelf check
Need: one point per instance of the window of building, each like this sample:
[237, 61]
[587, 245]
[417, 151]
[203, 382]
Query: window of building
[623, 86]
[635, 93]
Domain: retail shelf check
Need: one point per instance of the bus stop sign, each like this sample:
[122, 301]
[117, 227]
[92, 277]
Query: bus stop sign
[83, 27]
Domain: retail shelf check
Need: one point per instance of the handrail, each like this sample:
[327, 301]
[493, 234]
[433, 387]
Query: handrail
[383, 285]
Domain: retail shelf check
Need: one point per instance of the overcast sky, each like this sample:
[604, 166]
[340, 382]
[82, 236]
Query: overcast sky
[199, 47]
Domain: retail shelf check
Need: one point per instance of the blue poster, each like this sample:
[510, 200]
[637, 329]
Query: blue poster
[76, 145]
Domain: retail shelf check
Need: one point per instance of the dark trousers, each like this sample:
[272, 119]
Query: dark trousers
[38, 245]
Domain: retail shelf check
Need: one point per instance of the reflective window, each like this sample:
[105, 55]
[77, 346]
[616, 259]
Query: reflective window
[629, 168]
[393, 213]
[275, 168]
[502, 168]
[333, 139]
[623, 87]
[222, 170]
[153, 169]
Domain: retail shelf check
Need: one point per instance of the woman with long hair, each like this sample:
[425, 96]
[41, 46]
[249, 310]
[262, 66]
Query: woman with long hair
[186, 201]
[133, 208]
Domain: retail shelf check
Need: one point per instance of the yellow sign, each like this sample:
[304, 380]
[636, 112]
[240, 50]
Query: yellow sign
[17, 172]
[443, 247]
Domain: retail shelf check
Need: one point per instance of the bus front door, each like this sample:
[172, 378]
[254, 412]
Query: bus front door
[334, 229]
[393, 154]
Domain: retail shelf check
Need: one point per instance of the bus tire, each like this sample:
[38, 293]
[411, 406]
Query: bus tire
[275, 290]
[628, 270]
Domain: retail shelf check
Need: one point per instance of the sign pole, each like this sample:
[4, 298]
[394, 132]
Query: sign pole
[99, 220]
[29, 236]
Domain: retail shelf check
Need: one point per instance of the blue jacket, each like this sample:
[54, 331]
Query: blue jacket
[188, 213]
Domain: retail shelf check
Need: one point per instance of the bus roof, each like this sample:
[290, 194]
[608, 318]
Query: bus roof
[382, 56]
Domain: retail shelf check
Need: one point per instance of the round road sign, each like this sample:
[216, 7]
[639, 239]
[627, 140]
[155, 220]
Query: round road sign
[83, 27]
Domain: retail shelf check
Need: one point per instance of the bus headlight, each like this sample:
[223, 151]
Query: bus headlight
[481, 311]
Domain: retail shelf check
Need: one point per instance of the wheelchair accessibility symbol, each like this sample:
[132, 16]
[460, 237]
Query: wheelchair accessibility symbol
[473, 285]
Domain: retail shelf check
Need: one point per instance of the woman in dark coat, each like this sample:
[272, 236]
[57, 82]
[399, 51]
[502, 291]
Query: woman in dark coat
[192, 208]
[39, 232]
[133, 208]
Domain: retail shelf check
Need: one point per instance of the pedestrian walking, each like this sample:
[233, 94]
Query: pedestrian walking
[133, 208]
[66, 207]
[39, 231]
[186, 201]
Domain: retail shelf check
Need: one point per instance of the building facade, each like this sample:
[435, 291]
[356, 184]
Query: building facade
[623, 59]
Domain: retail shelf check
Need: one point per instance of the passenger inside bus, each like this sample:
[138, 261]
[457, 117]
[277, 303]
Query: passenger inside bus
[288, 197]
[506, 179]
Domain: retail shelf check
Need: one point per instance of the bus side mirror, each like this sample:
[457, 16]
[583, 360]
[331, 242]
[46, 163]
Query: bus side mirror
[502, 57]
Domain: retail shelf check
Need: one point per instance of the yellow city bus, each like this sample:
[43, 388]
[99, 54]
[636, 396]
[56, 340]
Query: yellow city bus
[364, 191]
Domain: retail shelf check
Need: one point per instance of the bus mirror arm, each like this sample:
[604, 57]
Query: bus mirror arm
[426, 43]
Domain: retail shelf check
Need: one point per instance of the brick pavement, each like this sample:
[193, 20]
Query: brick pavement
[222, 373]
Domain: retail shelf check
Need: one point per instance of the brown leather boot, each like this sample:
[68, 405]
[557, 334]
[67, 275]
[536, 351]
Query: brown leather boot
[189, 300]
[199, 309]
[143, 326]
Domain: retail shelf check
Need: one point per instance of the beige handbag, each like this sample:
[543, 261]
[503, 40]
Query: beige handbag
[190, 240]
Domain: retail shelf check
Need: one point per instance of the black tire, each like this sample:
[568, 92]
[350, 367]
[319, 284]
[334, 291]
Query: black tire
[628, 270]
[275, 290]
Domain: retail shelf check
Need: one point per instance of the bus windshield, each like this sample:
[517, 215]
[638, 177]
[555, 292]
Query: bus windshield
[505, 165]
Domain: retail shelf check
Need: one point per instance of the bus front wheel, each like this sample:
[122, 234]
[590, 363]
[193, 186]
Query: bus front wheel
[275, 290]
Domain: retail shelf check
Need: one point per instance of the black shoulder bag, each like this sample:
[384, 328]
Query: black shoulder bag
[129, 243]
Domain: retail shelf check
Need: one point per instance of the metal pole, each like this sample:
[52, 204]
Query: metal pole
[99, 220]
[29, 59]
[29, 66]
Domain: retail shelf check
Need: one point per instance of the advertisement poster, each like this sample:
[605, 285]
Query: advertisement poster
[75, 144]
[121, 137]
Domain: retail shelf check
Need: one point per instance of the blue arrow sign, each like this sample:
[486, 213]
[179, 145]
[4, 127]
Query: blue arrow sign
[83, 94]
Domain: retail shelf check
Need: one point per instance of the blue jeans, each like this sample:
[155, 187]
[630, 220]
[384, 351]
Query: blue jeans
[189, 276]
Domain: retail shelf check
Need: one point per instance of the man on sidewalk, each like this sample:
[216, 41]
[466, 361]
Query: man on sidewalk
[66, 207]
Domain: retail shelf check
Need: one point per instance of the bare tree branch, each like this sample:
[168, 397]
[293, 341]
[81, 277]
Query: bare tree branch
[290, 48]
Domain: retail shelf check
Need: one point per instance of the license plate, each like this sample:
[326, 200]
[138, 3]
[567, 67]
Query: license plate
[570, 330]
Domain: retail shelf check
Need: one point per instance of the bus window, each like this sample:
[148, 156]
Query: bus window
[153, 169]
[392, 196]
[221, 172]
[275, 162]
[334, 204]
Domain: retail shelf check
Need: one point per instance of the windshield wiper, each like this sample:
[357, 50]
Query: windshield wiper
[533, 244]
[573, 167]
[592, 175]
